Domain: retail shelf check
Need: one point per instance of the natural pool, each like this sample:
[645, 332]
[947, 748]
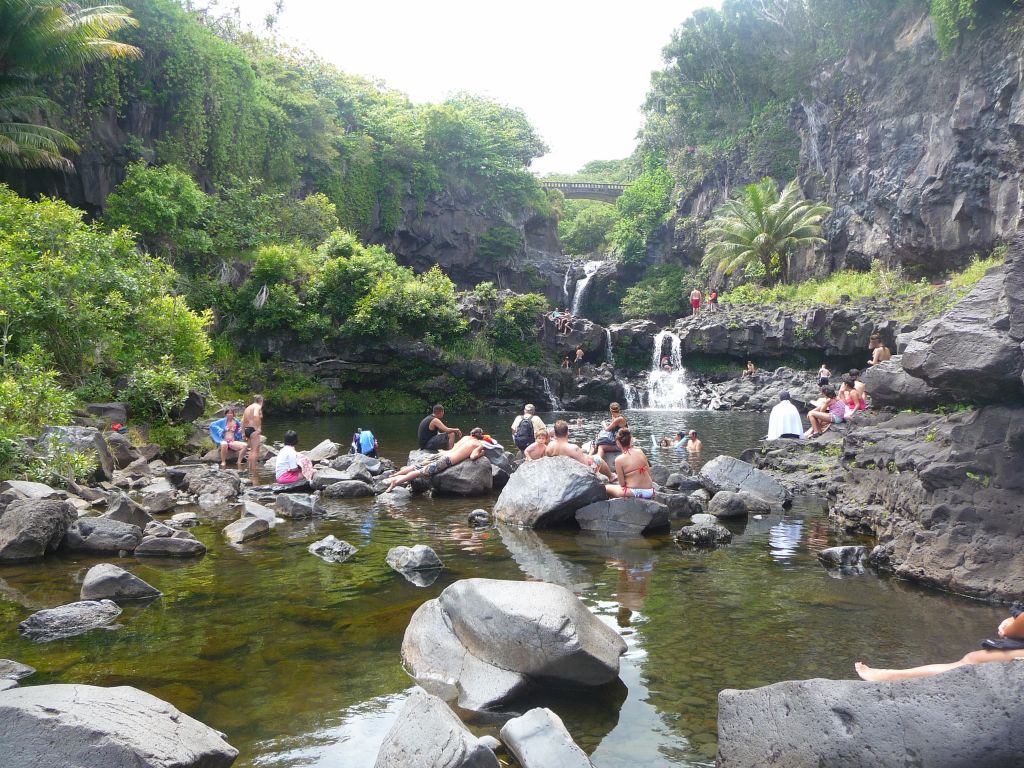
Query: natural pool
[298, 662]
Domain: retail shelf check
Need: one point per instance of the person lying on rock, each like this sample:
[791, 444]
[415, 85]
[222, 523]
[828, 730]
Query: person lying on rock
[831, 411]
[226, 434]
[561, 446]
[536, 449]
[632, 469]
[1008, 647]
[469, 447]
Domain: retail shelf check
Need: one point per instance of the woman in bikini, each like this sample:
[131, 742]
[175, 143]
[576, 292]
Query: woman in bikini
[633, 470]
[606, 437]
[1008, 647]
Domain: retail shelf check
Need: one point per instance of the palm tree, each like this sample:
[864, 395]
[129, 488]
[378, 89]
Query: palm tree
[762, 226]
[45, 37]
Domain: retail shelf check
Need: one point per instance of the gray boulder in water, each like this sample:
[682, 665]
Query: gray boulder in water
[68, 620]
[297, 505]
[332, 550]
[245, 529]
[179, 544]
[29, 528]
[109, 582]
[969, 716]
[102, 535]
[700, 535]
[347, 489]
[467, 478]
[427, 733]
[726, 505]
[626, 517]
[844, 557]
[121, 508]
[484, 641]
[548, 492]
[539, 739]
[725, 473]
[122, 727]
[416, 558]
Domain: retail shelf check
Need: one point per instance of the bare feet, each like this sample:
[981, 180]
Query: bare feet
[872, 675]
[223, 465]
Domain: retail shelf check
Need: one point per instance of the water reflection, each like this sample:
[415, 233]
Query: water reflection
[784, 538]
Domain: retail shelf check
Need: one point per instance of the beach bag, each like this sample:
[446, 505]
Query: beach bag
[524, 436]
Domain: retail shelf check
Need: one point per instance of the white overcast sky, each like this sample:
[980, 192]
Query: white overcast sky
[579, 68]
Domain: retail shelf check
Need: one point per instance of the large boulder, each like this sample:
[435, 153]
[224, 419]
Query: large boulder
[323, 451]
[539, 739]
[68, 620]
[101, 535]
[725, 473]
[548, 492]
[253, 509]
[75, 726]
[29, 528]
[325, 477]
[969, 716]
[889, 385]
[484, 641]
[26, 489]
[86, 440]
[427, 733]
[629, 517]
[351, 460]
[121, 450]
[419, 557]
[123, 509]
[109, 582]
[726, 505]
[468, 478]
[108, 413]
[297, 505]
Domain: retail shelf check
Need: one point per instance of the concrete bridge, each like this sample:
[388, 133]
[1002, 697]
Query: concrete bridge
[586, 190]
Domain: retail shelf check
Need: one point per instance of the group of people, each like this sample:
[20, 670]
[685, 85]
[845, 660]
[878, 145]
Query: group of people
[688, 442]
[696, 298]
[576, 363]
[563, 320]
[243, 437]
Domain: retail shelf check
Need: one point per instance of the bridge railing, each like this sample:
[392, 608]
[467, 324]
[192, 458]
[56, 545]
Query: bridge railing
[582, 185]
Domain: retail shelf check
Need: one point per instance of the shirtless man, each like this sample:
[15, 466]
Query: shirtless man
[433, 435]
[252, 426]
[879, 352]
[536, 449]
[632, 469]
[695, 297]
[561, 446]
[469, 447]
[693, 443]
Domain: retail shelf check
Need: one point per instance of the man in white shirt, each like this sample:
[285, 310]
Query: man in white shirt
[784, 420]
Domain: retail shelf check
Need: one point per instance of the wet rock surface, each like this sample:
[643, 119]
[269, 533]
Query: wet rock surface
[110, 582]
[68, 620]
[123, 727]
[418, 557]
[725, 473]
[703, 535]
[180, 544]
[102, 535]
[332, 550]
[29, 528]
[624, 517]
[245, 529]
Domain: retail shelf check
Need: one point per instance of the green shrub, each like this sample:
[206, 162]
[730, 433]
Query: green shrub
[513, 330]
[155, 392]
[585, 225]
[664, 292]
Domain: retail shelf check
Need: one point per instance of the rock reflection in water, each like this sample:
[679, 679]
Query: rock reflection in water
[538, 561]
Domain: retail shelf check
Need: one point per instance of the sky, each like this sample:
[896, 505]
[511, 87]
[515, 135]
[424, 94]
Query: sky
[579, 69]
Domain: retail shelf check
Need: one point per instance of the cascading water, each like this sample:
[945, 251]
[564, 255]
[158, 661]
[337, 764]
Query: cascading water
[667, 389]
[608, 356]
[589, 270]
[633, 398]
[565, 283]
[549, 393]
[814, 125]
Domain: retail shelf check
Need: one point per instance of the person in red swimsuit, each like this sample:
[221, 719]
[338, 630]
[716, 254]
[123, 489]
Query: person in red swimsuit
[632, 469]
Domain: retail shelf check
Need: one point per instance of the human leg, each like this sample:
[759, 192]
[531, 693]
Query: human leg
[974, 657]
[223, 455]
[615, 491]
[239, 447]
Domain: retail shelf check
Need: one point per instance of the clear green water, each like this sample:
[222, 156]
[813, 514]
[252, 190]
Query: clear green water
[297, 660]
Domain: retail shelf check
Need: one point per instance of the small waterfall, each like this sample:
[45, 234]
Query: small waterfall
[633, 397]
[549, 393]
[667, 390]
[589, 270]
[608, 356]
[813, 131]
[565, 283]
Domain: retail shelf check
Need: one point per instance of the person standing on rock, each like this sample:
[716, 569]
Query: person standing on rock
[632, 469]
[784, 420]
[713, 300]
[526, 427]
[695, 298]
[469, 447]
[226, 434]
[433, 435]
[561, 446]
[824, 375]
[252, 426]
[578, 362]
[879, 352]
[1008, 647]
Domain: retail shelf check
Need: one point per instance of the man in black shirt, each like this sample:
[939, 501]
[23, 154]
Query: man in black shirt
[433, 435]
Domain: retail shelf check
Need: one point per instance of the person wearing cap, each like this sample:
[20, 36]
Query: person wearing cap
[526, 427]
[784, 420]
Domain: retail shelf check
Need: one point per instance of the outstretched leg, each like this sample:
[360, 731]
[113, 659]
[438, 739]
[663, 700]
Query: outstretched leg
[928, 670]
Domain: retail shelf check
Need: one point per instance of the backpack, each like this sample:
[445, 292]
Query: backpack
[524, 433]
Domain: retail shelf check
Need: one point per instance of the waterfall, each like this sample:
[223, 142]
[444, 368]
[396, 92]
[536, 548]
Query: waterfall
[813, 130]
[549, 393]
[565, 283]
[608, 356]
[667, 389]
[589, 270]
[633, 398]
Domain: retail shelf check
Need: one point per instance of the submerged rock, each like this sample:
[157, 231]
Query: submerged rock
[107, 581]
[700, 535]
[845, 557]
[68, 620]
[539, 739]
[14, 670]
[548, 492]
[627, 517]
[479, 518]
[122, 727]
[969, 716]
[176, 545]
[29, 528]
[427, 734]
[332, 550]
[485, 641]
[416, 558]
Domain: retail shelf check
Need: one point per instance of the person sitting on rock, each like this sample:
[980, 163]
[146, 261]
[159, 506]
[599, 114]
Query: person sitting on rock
[567, 323]
[632, 470]
[831, 411]
[851, 396]
[879, 352]
[469, 447]
[566, 363]
[693, 443]
[857, 384]
[1008, 647]
[433, 435]
[226, 434]
[561, 446]
[606, 437]
[750, 370]
[292, 466]
[536, 450]
[784, 420]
